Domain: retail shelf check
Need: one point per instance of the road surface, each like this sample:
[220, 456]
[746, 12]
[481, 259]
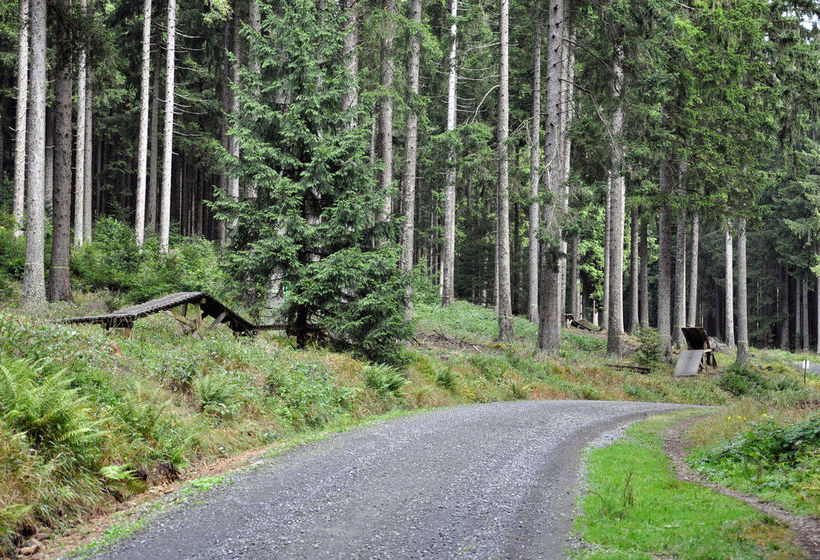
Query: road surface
[492, 481]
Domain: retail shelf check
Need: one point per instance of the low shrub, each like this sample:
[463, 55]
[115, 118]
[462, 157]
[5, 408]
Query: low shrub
[740, 381]
[648, 352]
[385, 380]
[217, 394]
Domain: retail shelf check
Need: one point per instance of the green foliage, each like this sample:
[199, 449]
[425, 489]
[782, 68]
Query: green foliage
[305, 396]
[218, 394]
[383, 379]
[12, 255]
[648, 352]
[115, 263]
[780, 462]
[739, 380]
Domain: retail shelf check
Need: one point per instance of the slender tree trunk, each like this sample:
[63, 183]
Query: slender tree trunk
[505, 323]
[575, 307]
[692, 299]
[805, 313]
[224, 139]
[59, 284]
[151, 209]
[18, 204]
[566, 87]
[817, 295]
[680, 280]
[350, 54]
[410, 146]
[784, 308]
[49, 194]
[165, 207]
[644, 274]
[616, 297]
[535, 166]
[448, 284]
[386, 108]
[634, 267]
[798, 321]
[254, 63]
[664, 265]
[34, 289]
[233, 141]
[79, 152]
[607, 252]
[142, 144]
[742, 303]
[87, 158]
[550, 320]
[730, 285]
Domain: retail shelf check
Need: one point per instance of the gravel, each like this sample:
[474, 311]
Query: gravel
[491, 481]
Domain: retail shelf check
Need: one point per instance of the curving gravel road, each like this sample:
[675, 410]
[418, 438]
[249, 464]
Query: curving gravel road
[483, 481]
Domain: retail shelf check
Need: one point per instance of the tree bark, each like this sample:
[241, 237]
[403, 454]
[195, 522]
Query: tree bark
[805, 313]
[79, 152]
[151, 208]
[49, 194]
[448, 262]
[615, 332]
[386, 108]
[410, 146]
[535, 166]
[505, 323]
[634, 271]
[350, 54]
[607, 251]
[168, 141]
[680, 279]
[817, 295]
[233, 141]
[142, 144]
[34, 289]
[729, 301]
[784, 308]
[692, 299]
[644, 274]
[87, 157]
[59, 280]
[575, 304]
[664, 265]
[798, 321]
[550, 320]
[742, 303]
[18, 204]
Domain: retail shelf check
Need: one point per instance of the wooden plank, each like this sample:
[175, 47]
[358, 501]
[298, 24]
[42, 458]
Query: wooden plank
[688, 363]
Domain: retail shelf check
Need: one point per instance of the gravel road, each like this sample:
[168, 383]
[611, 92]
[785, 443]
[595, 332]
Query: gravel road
[483, 481]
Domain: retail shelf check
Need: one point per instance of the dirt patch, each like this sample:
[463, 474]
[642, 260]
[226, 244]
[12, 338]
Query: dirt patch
[45, 546]
[439, 340]
[806, 528]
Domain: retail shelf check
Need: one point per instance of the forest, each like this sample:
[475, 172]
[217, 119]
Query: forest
[638, 164]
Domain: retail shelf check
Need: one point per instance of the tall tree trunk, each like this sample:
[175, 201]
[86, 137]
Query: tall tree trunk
[644, 274]
[817, 295]
[34, 289]
[142, 144]
[680, 280]
[742, 304]
[730, 282]
[165, 206]
[505, 323]
[49, 194]
[798, 321]
[386, 108]
[550, 320]
[87, 157]
[784, 308]
[233, 141]
[151, 208]
[79, 152]
[411, 132]
[664, 265]
[567, 78]
[255, 65]
[448, 283]
[575, 303]
[226, 110]
[59, 281]
[535, 166]
[607, 251]
[350, 54]
[615, 333]
[692, 299]
[805, 313]
[634, 268]
[18, 204]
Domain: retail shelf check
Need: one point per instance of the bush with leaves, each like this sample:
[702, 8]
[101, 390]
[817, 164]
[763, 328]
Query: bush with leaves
[12, 254]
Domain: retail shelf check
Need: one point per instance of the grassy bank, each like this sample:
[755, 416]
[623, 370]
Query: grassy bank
[636, 509]
[89, 418]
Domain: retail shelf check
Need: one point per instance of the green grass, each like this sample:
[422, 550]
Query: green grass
[635, 508]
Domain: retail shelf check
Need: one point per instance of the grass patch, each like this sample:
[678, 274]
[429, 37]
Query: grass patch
[636, 508]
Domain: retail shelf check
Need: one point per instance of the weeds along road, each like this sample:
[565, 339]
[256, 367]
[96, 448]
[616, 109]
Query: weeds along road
[482, 481]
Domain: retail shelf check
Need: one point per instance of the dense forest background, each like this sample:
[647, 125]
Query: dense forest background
[640, 164]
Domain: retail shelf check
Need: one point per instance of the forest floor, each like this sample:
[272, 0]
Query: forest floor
[174, 408]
